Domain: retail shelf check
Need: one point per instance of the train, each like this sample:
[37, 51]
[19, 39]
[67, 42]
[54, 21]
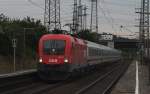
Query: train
[63, 55]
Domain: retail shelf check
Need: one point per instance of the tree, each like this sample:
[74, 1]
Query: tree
[88, 35]
[14, 28]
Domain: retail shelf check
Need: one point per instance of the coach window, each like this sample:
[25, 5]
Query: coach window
[99, 52]
[91, 50]
[94, 52]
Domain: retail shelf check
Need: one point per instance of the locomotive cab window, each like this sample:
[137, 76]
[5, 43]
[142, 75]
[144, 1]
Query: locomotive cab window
[54, 47]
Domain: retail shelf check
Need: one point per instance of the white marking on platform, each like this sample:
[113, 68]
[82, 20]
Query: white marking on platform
[18, 73]
[137, 79]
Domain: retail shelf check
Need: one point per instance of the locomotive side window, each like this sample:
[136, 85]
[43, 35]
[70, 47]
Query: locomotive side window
[54, 47]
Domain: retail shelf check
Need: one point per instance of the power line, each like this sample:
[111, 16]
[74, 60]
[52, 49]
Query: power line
[120, 4]
[111, 20]
[35, 4]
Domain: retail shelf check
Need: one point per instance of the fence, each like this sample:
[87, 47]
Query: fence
[17, 51]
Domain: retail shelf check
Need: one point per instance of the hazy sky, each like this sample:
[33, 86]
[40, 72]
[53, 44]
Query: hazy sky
[112, 13]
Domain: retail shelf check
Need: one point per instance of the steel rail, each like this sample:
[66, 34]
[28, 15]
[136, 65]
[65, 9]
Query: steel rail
[84, 89]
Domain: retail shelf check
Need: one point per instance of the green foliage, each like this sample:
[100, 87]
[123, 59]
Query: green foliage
[57, 31]
[5, 45]
[87, 35]
[16, 28]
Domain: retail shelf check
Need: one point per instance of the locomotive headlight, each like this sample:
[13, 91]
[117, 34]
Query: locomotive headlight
[66, 60]
[40, 60]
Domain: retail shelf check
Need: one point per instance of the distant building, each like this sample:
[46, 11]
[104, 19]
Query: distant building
[106, 37]
[118, 42]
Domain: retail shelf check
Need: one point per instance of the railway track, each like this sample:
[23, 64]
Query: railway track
[79, 85]
[25, 84]
[87, 84]
[103, 84]
[34, 88]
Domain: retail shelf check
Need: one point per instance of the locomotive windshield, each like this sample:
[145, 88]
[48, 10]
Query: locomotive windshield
[54, 47]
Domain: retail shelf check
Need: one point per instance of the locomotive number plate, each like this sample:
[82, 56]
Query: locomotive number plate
[53, 60]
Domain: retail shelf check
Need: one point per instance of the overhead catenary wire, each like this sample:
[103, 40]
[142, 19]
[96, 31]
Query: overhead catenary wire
[107, 14]
[120, 4]
[35, 4]
[109, 19]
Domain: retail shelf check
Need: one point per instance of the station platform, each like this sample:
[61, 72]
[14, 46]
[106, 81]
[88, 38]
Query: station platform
[18, 73]
[144, 80]
[134, 81]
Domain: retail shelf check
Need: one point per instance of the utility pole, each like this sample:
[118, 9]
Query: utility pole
[80, 15]
[70, 26]
[75, 17]
[14, 44]
[25, 30]
[144, 27]
[52, 15]
[84, 18]
[144, 31]
[94, 16]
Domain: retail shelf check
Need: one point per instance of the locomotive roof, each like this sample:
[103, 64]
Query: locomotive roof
[55, 35]
[80, 41]
[63, 36]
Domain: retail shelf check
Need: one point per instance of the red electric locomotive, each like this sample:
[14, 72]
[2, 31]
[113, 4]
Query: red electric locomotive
[59, 55]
